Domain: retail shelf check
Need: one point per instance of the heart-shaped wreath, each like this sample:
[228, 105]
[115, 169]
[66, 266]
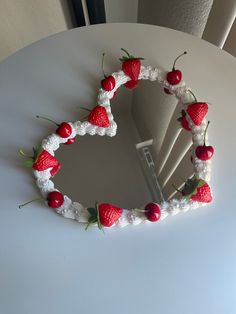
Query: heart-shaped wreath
[196, 191]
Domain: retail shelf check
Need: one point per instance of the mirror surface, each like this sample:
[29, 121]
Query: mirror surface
[140, 164]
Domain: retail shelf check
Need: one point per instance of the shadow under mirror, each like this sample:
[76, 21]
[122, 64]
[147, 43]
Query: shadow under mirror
[148, 155]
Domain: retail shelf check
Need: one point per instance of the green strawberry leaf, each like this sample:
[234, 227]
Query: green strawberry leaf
[39, 151]
[92, 211]
[201, 183]
[123, 59]
[93, 215]
[190, 186]
[28, 163]
[98, 217]
[180, 119]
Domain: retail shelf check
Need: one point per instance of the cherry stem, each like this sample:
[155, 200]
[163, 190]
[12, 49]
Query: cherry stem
[125, 52]
[22, 153]
[86, 109]
[34, 200]
[206, 132]
[103, 56]
[195, 99]
[140, 210]
[184, 53]
[176, 189]
[44, 118]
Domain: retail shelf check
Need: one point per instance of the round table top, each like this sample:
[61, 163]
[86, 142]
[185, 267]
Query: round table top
[185, 264]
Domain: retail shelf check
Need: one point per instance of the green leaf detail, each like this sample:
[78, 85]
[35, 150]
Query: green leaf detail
[183, 113]
[123, 59]
[201, 183]
[190, 186]
[94, 217]
[98, 217]
[28, 163]
[39, 151]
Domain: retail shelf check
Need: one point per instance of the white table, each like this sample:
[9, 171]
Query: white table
[185, 264]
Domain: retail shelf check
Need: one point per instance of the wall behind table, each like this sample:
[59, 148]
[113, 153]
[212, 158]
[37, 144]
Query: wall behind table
[25, 21]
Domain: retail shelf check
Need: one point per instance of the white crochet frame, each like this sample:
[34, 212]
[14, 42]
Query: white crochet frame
[77, 211]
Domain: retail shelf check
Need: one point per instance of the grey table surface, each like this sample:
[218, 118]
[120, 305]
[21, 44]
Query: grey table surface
[185, 264]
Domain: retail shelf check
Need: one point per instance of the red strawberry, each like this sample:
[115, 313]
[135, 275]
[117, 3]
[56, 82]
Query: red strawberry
[183, 121]
[44, 160]
[55, 169]
[203, 194]
[131, 65]
[185, 125]
[131, 84]
[104, 215]
[197, 190]
[197, 112]
[98, 116]
[109, 214]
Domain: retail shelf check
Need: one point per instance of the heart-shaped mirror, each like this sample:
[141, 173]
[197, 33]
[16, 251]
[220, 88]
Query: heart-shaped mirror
[155, 164]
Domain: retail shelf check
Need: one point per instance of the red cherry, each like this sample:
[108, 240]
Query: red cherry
[175, 76]
[108, 83]
[64, 130]
[131, 84]
[184, 124]
[166, 90]
[70, 141]
[204, 152]
[55, 199]
[153, 212]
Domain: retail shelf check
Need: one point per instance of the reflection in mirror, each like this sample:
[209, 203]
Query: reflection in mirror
[148, 155]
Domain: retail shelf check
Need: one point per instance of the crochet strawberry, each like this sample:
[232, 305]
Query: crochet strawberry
[183, 121]
[98, 116]
[104, 215]
[131, 84]
[197, 112]
[42, 160]
[131, 65]
[197, 190]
